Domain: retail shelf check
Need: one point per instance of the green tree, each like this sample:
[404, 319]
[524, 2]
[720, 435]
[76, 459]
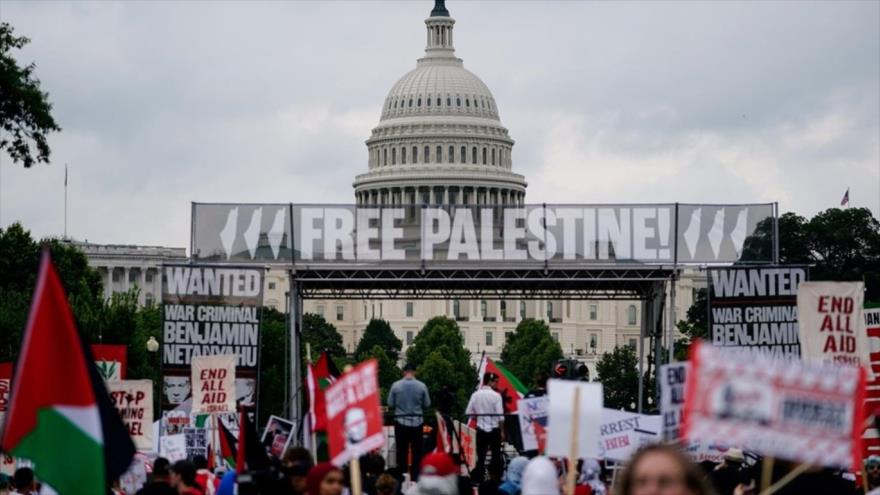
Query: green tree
[25, 111]
[441, 358]
[794, 246]
[273, 363]
[19, 262]
[388, 370]
[845, 244]
[529, 350]
[379, 333]
[322, 336]
[618, 372]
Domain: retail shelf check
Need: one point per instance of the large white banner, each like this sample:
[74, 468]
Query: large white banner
[214, 380]
[830, 323]
[562, 418]
[800, 411]
[134, 403]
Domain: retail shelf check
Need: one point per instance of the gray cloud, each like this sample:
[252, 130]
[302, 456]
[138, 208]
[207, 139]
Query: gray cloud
[164, 103]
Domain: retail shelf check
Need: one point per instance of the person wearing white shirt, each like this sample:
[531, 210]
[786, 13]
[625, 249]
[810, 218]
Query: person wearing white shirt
[487, 406]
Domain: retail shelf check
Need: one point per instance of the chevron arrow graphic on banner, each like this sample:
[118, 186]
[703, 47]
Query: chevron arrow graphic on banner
[227, 235]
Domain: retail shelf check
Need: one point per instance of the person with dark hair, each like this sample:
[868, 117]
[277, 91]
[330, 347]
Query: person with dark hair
[295, 464]
[183, 478]
[408, 399]
[386, 485]
[661, 470]
[487, 407]
[24, 482]
[540, 389]
[159, 483]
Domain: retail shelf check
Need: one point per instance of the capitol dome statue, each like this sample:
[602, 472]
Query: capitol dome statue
[440, 139]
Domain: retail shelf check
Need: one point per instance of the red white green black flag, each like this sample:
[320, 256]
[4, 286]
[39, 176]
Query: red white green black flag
[60, 415]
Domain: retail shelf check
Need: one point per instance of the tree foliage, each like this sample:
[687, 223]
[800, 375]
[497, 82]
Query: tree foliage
[618, 372]
[441, 358]
[843, 244]
[273, 362]
[389, 372]
[322, 336]
[25, 111]
[529, 350]
[379, 333]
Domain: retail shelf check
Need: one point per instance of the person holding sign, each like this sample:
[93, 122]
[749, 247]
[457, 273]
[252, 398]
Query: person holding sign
[487, 407]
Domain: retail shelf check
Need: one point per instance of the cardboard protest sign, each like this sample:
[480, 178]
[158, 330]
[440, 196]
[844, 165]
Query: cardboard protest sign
[562, 414]
[277, 435]
[672, 379]
[800, 411]
[754, 309]
[134, 403]
[468, 439]
[210, 310]
[622, 433]
[354, 416]
[111, 360]
[214, 380]
[830, 323]
[533, 422]
[195, 442]
[173, 447]
[444, 443]
[5, 389]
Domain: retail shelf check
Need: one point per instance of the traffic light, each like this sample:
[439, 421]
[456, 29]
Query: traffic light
[570, 369]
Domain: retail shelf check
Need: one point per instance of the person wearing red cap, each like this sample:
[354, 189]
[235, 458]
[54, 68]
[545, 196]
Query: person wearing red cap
[438, 476]
[325, 479]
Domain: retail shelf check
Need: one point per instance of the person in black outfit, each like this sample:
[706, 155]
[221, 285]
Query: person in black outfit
[159, 484]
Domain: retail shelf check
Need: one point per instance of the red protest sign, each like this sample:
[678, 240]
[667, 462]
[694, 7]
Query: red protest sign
[354, 417]
[111, 360]
[805, 412]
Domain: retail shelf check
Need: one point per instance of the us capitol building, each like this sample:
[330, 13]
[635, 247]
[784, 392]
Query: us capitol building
[439, 141]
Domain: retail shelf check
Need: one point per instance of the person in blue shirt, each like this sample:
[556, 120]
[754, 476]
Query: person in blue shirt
[408, 399]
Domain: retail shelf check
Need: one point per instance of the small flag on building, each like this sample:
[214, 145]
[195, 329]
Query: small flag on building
[845, 200]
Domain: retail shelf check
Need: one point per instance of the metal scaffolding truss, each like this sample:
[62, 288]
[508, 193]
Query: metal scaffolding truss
[575, 282]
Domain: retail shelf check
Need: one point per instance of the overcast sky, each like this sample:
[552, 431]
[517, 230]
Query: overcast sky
[164, 103]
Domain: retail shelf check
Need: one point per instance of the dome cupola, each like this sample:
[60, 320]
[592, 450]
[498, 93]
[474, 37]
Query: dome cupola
[439, 138]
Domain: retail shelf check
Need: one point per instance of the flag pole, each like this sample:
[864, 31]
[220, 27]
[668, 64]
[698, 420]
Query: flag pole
[573, 446]
[65, 201]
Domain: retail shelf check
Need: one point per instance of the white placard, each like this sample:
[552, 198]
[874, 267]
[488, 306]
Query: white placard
[213, 378]
[622, 433]
[560, 418]
[830, 323]
[133, 400]
[173, 447]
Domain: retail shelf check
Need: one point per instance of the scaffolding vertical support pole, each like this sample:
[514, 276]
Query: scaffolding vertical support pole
[645, 325]
[671, 309]
[295, 322]
[775, 233]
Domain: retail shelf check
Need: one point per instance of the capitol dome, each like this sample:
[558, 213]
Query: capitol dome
[439, 138]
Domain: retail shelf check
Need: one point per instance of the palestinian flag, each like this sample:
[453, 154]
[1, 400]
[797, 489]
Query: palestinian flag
[509, 386]
[251, 455]
[228, 448]
[320, 376]
[60, 414]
